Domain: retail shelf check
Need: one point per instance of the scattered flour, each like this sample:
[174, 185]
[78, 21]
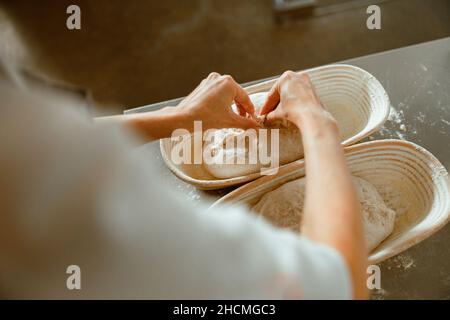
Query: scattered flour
[403, 261]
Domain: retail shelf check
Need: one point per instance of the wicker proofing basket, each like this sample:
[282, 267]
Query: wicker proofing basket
[356, 99]
[408, 177]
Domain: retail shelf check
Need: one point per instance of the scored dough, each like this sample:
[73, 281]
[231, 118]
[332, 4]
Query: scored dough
[283, 207]
[290, 146]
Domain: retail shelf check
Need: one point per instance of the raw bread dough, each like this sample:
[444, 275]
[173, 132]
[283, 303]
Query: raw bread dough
[290, 146]
[283, 207]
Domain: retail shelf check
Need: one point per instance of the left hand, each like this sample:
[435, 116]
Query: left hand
[211, 103]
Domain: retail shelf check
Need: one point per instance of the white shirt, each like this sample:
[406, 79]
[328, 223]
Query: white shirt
[74, 193]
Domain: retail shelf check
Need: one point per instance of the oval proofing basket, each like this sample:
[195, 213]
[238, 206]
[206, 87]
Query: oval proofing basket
[408, 177]
[355, 98]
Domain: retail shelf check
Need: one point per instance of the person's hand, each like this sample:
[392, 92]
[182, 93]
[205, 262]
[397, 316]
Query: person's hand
[211, 103]
[335, 220]
[291, 97]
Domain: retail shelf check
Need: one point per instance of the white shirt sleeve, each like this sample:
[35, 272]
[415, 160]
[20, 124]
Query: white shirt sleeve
[75, 193]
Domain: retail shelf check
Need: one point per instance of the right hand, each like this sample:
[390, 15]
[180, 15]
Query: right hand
[336, 220]
[292, 96]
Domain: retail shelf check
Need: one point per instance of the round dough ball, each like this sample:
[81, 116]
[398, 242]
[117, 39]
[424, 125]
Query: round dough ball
[283, 207]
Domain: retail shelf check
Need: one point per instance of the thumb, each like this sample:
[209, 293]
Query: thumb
[245, 122]
[273, 116]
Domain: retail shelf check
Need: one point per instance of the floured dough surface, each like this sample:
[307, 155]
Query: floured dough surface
[283, 207]
[290, 146]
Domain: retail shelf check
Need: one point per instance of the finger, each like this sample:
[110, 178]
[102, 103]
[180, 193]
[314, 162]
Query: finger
[241, 110]
[307, 80]
[271, 117]
[197, 89]
[244, 122]
[273, 98]
[241, 98]
[213, 75]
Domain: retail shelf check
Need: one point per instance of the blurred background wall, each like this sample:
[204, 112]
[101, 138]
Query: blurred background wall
[131, 53]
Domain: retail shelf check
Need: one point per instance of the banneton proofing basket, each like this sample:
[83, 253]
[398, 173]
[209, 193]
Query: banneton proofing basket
[410, 180]
[355, 98]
